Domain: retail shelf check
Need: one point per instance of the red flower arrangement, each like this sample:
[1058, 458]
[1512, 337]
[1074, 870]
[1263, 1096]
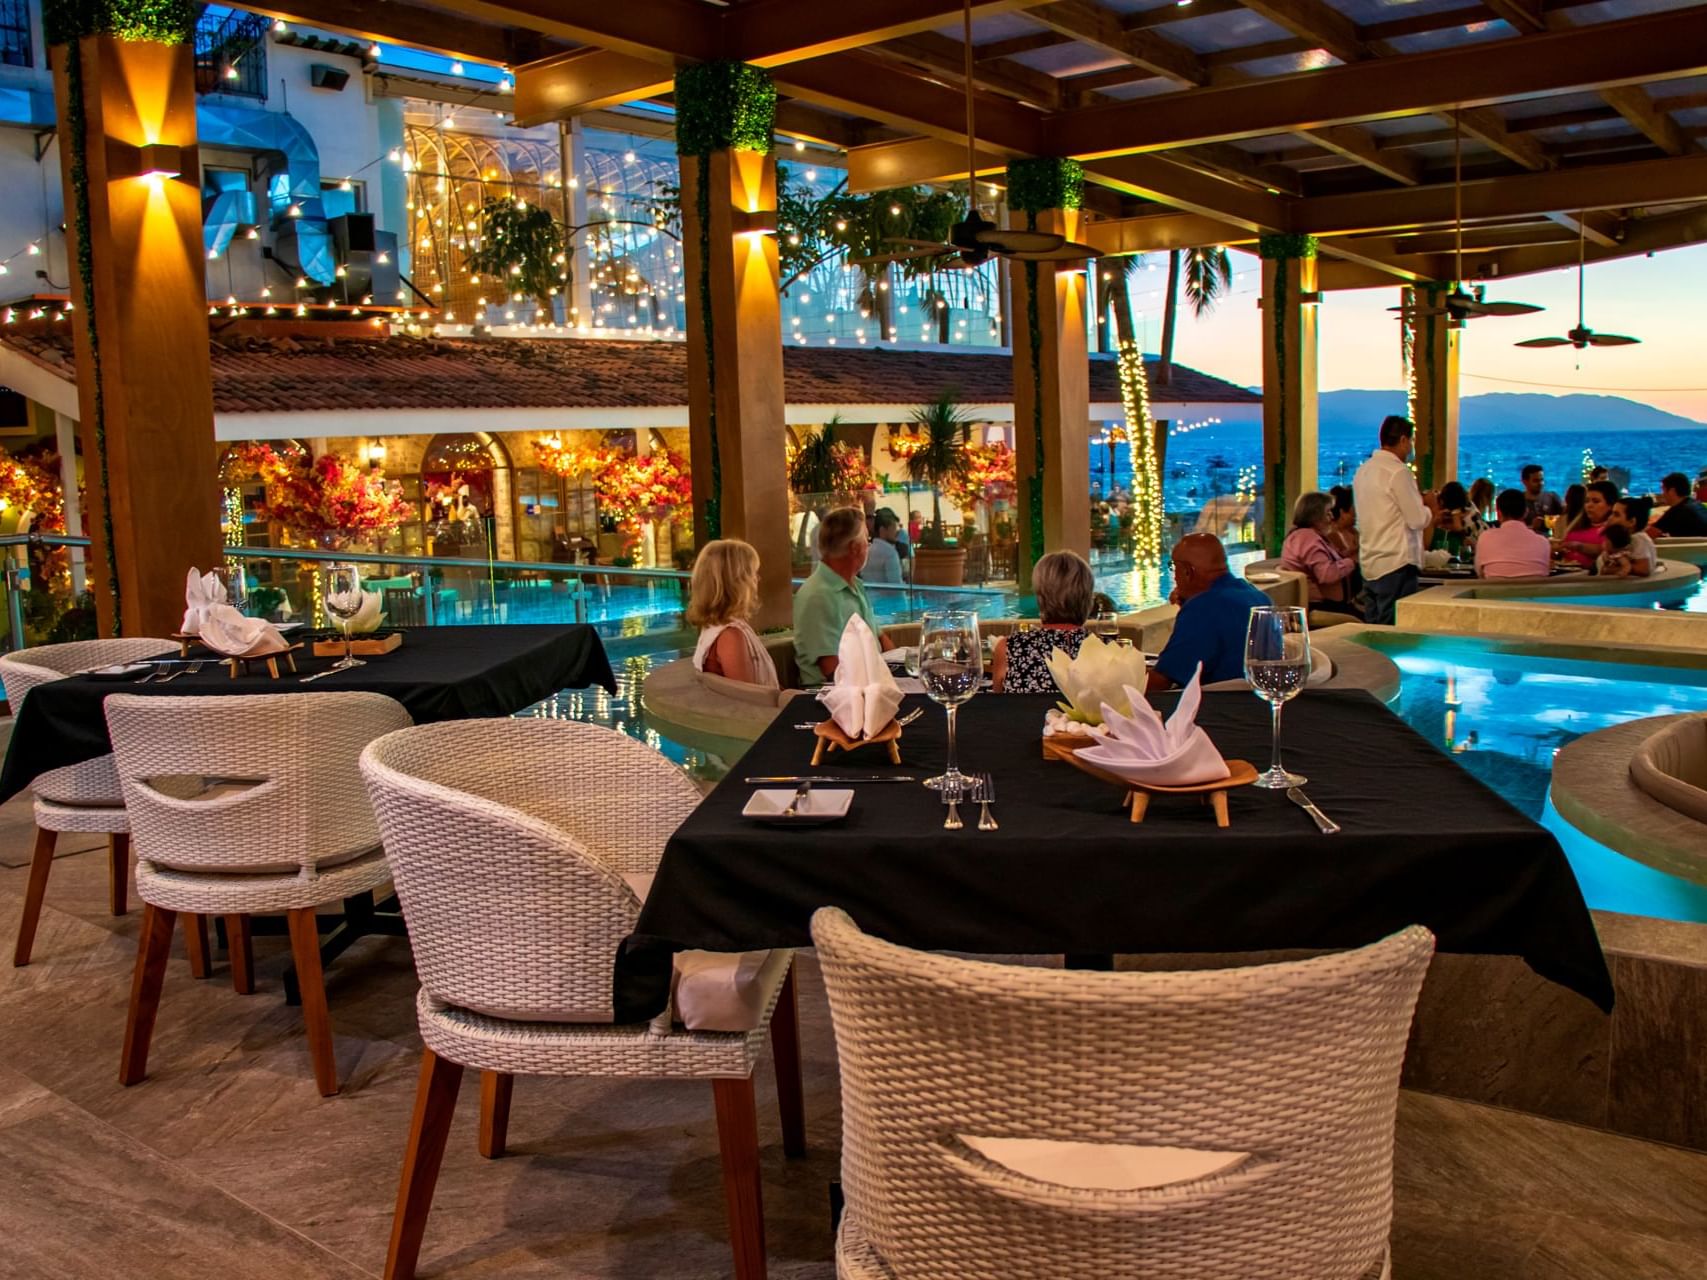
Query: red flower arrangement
[30, 489]
[572, 461]
[633, 489]
[989, 477]
[331, 500]
[904, 444]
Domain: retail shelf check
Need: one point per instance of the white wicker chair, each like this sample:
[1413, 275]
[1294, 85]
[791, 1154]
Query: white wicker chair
[78, 797]
[241, 806]
[1001, 1121]
[522, 850]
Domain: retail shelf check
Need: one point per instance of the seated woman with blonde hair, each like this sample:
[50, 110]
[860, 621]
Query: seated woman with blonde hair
[722, 596]
[1065, 588]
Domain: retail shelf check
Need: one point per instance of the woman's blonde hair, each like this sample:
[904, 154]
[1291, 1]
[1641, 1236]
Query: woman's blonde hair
[1065, 587]
[725, 583]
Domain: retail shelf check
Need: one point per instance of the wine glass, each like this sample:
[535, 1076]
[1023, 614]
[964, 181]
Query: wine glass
[1277, 663]
[342, 592]
[951, 662]
[1105, 626]
[235, 584]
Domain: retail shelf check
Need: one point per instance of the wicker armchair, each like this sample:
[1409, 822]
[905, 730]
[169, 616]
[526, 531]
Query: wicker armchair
[79, 797]
[1210, 1125]
[242, 806]
[522, 850]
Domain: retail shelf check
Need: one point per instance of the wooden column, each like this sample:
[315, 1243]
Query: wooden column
[1434, 385]
[1051, 398]
[1289, 306]
[145, 390]
[734, 340]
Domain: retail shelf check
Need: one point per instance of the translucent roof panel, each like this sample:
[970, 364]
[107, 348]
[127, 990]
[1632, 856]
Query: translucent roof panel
[1141, 89]
[1368, 12]
[1217, 31]
[1453, 37]
[1288, 64]
[1070, 59]
[1613, 10]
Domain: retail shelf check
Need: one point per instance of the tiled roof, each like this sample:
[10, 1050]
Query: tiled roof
[307, 372]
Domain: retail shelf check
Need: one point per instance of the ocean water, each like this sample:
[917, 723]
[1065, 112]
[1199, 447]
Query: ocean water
[1224, 460]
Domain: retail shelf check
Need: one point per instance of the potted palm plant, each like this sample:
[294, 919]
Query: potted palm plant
[939, 462]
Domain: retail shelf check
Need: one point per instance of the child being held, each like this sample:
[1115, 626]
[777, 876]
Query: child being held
[1616, 558]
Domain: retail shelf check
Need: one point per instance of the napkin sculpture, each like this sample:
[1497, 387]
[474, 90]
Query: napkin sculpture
[226, 631]
[368, 616]
[1102, 676]
[202, 591]
[864, 696]
[1141, 749]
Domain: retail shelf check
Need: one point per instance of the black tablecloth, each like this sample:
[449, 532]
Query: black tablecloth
[1423, 842]
[439, 673]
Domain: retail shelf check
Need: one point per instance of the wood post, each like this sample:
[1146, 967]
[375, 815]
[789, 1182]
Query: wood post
[1289, 306]
[144, 385]
[1051, 399]
[1434, 386]
[735, 387]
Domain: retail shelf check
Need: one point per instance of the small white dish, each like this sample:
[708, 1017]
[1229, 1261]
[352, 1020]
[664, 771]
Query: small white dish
[119, 671]
[1263, 579]
[821, 804]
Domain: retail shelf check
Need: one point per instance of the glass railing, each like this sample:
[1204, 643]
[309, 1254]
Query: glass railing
[47, 600]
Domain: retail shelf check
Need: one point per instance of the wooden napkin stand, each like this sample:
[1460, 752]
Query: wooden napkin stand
[831, 737]
[1241, 773]
[362, 646]
[236, 664]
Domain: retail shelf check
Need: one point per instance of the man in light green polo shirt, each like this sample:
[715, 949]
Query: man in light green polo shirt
[830, 596]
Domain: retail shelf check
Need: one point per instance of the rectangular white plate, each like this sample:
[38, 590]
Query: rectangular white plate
[822, 804]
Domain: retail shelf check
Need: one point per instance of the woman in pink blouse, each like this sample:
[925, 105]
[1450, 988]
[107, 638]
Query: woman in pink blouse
[1308, 551]
[1581, 544]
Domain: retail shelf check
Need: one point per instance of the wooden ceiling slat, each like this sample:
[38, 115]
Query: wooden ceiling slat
[1102, 29]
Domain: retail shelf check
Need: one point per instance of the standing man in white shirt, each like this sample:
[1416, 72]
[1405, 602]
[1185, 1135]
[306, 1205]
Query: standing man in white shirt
[1393, 521]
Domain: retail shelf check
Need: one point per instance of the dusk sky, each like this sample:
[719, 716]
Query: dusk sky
[1662, 300]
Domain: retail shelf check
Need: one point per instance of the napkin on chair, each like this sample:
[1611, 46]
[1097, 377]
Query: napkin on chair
[202, 591]
[1141, 748]
[226, 631]
[864, 696]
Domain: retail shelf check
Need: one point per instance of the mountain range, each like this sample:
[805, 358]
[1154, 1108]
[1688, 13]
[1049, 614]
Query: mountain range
[1508, 412]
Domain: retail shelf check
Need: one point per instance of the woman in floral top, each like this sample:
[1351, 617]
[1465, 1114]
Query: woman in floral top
[1064, 586]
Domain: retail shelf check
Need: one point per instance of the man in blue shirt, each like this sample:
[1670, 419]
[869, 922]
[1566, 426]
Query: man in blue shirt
[1214, 615]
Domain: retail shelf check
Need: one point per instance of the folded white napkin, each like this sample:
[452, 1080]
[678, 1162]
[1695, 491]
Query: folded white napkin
[226, 631]
[864, 696]
[201, 592]
[1140, 748]
[1102, 673]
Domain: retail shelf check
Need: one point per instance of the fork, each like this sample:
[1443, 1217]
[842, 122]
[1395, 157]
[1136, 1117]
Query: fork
[190, 670]
[951, 796]
[984, 792]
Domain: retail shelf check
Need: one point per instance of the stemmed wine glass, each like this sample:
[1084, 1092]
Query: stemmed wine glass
[342, 592]
[235, 583]
[1277, 663]
[1105, 626]
[951, 663]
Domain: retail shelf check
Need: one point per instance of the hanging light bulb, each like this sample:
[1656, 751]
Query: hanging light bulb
[456, 68]
[375, 52]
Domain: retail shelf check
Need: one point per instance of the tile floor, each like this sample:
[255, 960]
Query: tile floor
[226, 1159]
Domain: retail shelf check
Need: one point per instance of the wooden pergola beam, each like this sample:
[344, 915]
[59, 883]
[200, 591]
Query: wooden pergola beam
[1380, 255]
[770, 33]
[1638, 183]
[1652, 48]
[1633, 103]
[666, 31]
[429, 29]
[1156, 233]
[1603, 229]
[585, 80]
[1642, 236]
[945, 57]
[1182, 187]
[1102, 29]
[1485, 124]
[1479, 239]
[1361, 146]
[1315, 21]
[1523, 16]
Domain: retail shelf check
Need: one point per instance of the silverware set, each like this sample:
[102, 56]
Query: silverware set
[981, 792]
[169, 670]
[1326, 825]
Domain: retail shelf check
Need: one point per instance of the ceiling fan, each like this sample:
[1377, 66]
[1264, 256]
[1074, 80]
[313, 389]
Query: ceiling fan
[1464, 304]
[975, 239]
[1582, 337]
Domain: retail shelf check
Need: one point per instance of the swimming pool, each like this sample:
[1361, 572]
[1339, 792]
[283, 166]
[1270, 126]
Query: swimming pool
[1688, 597]
[1503, 709]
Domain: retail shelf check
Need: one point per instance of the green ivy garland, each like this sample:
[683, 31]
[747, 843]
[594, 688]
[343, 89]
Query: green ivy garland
[724, 106]
[69, 23]
[1274, 247]
[1043, 183]
[719, 106]
[1034, 185]
[1274, 314]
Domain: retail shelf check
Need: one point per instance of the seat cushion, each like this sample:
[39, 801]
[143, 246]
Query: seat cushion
[90, 783]
[1103, 1166]
[721, 991]
[1671, 766]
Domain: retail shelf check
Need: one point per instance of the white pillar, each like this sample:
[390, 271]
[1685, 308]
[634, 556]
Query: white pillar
[580, 291]
[65, 440]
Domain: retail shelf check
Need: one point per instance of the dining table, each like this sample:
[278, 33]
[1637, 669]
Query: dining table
[1067, 872]
[437, 673]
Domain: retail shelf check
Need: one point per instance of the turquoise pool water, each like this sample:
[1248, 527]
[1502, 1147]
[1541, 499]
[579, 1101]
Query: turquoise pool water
[1690, 598]
[1503, 710]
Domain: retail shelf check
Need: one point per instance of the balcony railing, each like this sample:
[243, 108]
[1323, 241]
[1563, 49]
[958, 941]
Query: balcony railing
[15, 50]
[231, 54]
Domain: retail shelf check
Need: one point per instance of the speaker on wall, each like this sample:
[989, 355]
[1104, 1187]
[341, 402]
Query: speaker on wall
[325, 77]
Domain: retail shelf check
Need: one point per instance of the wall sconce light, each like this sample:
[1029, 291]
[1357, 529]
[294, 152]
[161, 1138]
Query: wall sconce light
[1311, 299]
[155, 160]
[376, 455]
[755, 222]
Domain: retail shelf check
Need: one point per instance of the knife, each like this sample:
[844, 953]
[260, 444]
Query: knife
[1328, 825]
[834, 778]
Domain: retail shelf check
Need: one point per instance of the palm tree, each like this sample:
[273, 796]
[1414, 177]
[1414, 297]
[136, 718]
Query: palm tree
[945, 429]
[1208, 279]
